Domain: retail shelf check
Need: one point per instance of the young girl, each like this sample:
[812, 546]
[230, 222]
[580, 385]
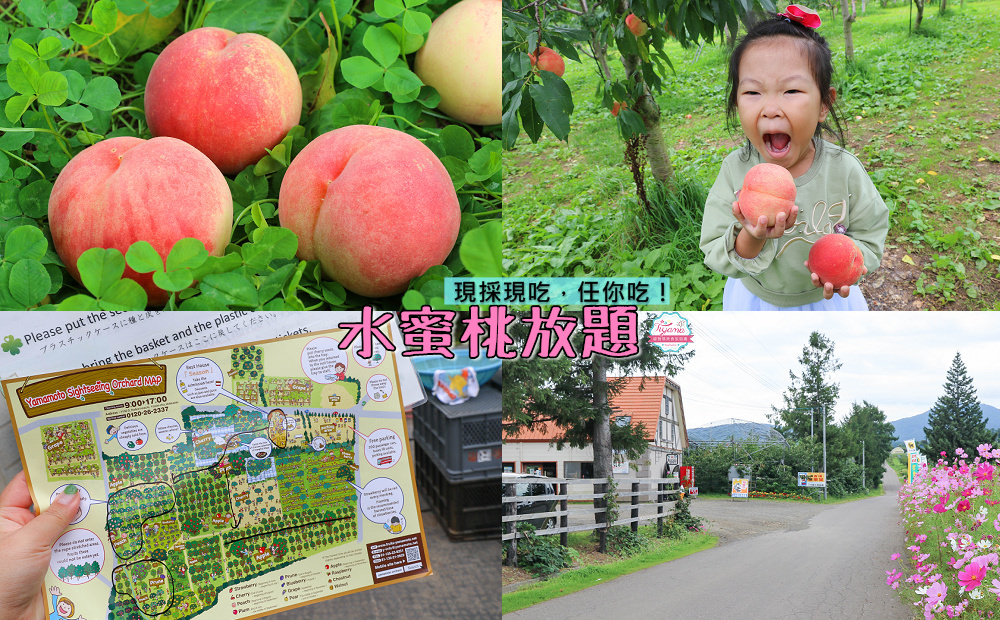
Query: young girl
[779, 90]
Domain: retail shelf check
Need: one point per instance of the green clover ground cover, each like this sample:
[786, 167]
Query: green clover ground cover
[921, 112]
[73, 72]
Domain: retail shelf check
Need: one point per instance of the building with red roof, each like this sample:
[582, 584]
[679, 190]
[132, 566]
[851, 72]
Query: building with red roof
[654, 403]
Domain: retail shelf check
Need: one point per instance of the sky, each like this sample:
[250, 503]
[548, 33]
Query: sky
[897, 361]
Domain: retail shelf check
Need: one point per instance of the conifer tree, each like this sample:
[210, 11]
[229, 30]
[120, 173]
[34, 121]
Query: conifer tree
[956, 420]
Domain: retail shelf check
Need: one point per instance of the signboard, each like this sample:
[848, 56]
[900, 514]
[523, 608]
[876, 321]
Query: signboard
[741, 488]
[686, 475]
[911, 445]
[914, 466]
[223, 482]
[812, 479]
[693, 492]
[672, 459]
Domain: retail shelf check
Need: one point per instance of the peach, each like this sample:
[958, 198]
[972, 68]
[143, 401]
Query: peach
[229, 95]
[374, 205]
[461, 60]
[548, 59]
[768, 189]
[617, 107]
[836, 259]
[636, 25]
[124, 190]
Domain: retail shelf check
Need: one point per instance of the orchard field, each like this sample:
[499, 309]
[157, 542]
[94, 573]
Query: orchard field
[74, 73]
[922, 112]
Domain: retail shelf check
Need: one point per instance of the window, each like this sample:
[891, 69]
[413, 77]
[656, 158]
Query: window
[539, 469]
[578, 469]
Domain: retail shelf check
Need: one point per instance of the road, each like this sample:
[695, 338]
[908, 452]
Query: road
[823, 562]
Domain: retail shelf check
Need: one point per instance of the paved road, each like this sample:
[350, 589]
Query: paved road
[829, 566]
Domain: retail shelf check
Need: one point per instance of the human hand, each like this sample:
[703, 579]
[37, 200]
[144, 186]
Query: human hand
[27, 543]
[828, 289]
[760, 230]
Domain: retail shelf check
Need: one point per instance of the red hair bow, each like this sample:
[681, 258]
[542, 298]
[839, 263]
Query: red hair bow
[803, 15]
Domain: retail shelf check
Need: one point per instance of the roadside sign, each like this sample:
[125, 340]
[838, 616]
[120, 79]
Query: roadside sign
[914, 466]
[741, 488]
[812, 479]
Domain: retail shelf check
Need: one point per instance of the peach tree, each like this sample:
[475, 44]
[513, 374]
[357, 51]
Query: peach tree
[534, 99]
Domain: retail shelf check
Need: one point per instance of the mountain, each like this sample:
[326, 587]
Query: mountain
[913, 426]
[726, 432]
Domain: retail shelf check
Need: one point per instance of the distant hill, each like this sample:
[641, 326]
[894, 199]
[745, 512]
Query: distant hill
[913, 426]
[726, 432]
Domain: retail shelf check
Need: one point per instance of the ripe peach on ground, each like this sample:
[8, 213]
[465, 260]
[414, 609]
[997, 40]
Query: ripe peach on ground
[547, 59]
[461, 60]
[124, 190]
[229, 95]
[768, 189]
[636, 25]
[835, 258]
[374, 205]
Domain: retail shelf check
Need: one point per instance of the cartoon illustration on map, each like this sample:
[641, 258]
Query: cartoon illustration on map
[227, 483]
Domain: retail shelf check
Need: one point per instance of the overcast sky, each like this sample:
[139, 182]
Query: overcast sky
[894, 360]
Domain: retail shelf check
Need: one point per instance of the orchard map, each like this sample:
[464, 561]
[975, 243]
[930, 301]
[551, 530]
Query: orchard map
[228, 483]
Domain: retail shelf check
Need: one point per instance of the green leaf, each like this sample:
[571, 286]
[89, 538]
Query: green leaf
[77, 84]
[100, 268]
[75, 113]
[49, 48]
[413, 300]
[457, 141]
[24, 242]
[187, 253]
[53, 88]
[416, 22]
[79, 303]
[482, 250]
[29, 282]
[554, 103]
[402, 83]
[105, 16]
[273, 283]
[388, 9]
[131, 7]
[22, 77]
[34, 10]
[382, 45]
[86, 35]
[102, 93]
[230, 288]
[486, 163]
[124, 295]
[359, 71]
[142, 258]
[173, 281]
[34, 198]
[266, 18]
[162, 8]
[16, 106]
[20, 49]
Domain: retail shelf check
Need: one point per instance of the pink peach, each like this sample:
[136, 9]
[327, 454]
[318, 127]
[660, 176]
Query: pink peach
[229, 95]
[768, 189]
[124, 190]
[374, 205]
[836, 259]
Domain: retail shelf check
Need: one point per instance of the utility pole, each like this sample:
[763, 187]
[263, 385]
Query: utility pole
[824, 452]
[864, 483]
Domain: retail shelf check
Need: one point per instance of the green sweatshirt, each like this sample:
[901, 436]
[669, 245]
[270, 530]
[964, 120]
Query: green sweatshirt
[834, 195]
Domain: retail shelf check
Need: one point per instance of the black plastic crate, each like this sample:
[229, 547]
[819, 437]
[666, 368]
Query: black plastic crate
[465, 440]
[468, 509]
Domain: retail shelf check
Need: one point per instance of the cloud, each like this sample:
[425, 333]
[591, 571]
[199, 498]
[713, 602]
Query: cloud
[896, 360]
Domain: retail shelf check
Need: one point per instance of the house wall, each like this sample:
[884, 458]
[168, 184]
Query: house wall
[541, 452]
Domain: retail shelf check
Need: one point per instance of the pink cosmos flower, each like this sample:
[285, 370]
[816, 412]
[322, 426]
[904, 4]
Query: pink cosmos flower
[894, 557]
[963, 505]
[984, 472]
[996, 588]
[921, 538]
[936, 593]
[972, 575]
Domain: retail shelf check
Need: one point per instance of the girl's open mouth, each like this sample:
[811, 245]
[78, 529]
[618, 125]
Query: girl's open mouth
[777, 143]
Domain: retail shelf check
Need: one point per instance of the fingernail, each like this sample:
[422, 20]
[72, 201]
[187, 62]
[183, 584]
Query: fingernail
[70, 489]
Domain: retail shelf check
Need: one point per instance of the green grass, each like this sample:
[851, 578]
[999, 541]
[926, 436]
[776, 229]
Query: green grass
[664, 550]
[920, 112]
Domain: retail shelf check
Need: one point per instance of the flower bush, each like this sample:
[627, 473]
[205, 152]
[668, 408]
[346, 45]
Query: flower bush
[952, 567]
